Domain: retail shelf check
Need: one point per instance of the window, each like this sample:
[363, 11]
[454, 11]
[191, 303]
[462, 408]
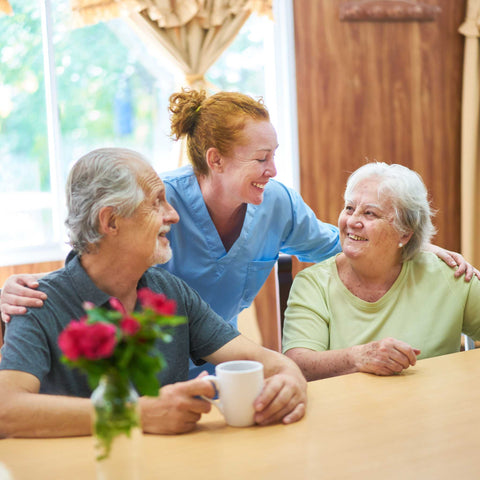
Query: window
[64, 92]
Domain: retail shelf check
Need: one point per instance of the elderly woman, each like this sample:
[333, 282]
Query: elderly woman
[382, 302]
[234, 218]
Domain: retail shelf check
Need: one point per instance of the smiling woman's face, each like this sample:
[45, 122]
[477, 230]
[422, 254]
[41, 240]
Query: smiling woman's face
[251, 165]
[366, 225]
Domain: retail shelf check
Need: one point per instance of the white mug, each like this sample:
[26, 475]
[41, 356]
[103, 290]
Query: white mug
[238, 384]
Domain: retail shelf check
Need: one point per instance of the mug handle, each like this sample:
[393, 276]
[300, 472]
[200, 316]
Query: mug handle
[214, 401]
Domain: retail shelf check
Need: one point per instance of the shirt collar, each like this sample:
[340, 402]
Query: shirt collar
[84, 286]
[82, 283]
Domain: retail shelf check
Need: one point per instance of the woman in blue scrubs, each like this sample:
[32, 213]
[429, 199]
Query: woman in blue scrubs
[234, 218]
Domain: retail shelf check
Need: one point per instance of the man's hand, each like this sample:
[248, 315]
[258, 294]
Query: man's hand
[384, 357]
[178, 407]
[284, 394]
[18, 293]
[283, 398]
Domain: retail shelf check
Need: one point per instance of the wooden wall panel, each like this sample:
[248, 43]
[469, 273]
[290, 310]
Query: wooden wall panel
[386, 91]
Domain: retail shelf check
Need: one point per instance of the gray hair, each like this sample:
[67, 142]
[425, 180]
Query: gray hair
[409, 197]
[101, 178]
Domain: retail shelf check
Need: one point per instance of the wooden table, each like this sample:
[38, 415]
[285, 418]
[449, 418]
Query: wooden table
[423, 423]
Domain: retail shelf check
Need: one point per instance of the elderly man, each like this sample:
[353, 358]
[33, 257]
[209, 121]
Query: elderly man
[118, 218]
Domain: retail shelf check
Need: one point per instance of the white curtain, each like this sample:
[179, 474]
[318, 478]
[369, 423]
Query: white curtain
[193, 38]
[470, 164]
[193, 33]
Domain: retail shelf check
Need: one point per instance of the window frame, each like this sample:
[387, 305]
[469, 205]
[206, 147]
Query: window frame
[281, 71]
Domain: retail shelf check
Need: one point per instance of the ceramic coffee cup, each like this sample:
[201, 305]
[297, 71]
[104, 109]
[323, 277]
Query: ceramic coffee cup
[238, 384]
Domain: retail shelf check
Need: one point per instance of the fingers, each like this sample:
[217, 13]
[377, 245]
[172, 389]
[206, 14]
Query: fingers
[18, 293]
[476, 272]
[296, 415]
[28, 281]
[455, 259]
[407, 353]
[464, 267]
[199, 386]
[469, 270]
[10, 306]
[22, 285]
[8, 310]
[385, 357]
[450, 258]
[177, 409]
[281, 400]
[292, 412]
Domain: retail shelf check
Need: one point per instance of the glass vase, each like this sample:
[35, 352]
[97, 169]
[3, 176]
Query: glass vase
[116, 428]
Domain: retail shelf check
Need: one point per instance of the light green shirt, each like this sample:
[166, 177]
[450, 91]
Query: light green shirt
[426, 307]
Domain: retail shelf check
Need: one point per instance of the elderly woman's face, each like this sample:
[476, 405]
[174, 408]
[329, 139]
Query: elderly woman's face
[251, 165]
[366, 225]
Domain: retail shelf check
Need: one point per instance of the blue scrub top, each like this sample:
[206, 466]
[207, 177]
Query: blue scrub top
[229, 281]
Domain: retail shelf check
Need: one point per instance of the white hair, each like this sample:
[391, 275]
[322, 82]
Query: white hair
[409, 196]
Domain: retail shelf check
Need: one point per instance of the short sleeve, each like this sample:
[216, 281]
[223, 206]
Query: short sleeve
[307, 317]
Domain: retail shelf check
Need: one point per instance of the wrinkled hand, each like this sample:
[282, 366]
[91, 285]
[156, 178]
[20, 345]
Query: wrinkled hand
[177, 409]
[283, 398]
[454, 259]
[19, 292]
[384, 357]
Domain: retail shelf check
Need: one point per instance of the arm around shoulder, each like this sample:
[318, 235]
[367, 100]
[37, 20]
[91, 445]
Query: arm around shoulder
[19, 292]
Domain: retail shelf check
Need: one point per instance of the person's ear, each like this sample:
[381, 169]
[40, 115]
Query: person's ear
[214, 160]
[404, 239]
[107, 221]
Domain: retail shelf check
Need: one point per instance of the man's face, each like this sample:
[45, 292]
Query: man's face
[145, 232]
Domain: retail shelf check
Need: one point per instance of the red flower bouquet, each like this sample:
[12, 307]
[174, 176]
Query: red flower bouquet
[119, 348]
[113, 341]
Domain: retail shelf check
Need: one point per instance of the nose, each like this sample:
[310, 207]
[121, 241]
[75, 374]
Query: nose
[171, 215]
[354, 219]
[271, 170]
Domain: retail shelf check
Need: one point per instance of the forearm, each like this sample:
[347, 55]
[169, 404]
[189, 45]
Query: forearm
[276, 363]
[39, 415]
[317, 365]
[241, 348]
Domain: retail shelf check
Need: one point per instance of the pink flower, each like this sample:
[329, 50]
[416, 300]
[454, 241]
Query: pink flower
[117, 305]
[158, 302]
[129, 326]
[92, 341]
[88, 305]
